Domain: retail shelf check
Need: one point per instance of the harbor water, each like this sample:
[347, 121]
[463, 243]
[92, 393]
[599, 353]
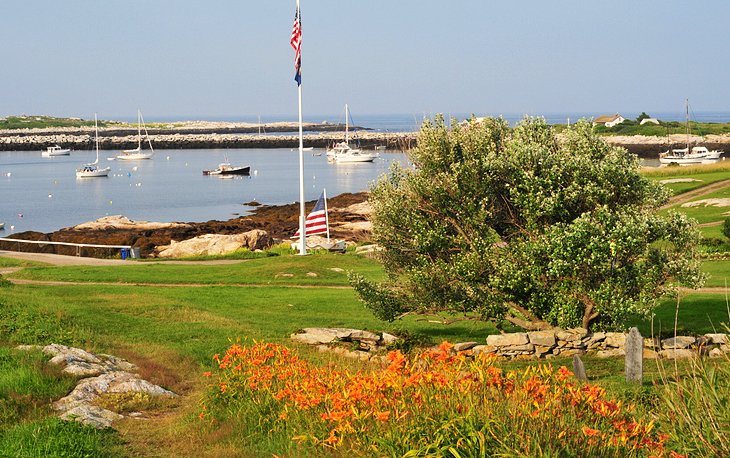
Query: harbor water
[43, 194]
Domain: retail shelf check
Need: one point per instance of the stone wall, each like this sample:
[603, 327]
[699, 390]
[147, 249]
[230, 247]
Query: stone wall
[528, 345]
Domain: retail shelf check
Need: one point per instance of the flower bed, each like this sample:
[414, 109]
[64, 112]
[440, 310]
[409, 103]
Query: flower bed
[435, 403]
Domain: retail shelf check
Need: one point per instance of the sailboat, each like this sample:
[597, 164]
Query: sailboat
[137, 153]
[92, 170]
[690, 155]
[342, 152]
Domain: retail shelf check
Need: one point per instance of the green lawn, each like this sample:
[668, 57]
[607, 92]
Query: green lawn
[698, 314]
[707, 213]
[330, 270]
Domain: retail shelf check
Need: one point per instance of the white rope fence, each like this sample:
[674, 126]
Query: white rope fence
[77, 245]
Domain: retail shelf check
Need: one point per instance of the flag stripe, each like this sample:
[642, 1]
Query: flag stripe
[296, 43]
[316, 221]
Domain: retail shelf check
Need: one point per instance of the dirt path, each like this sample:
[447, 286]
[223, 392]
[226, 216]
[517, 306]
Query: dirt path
[22, 281]
[61, 260]
[687, 196]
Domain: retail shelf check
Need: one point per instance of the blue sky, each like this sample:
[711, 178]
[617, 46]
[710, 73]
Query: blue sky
[231, 58]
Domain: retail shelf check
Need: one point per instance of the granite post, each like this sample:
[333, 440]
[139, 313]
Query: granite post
[634, 356]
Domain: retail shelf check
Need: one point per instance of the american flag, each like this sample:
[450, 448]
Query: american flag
[296, 43]
[316, 222]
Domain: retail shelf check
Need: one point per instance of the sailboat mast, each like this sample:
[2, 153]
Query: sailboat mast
[139, 129]
[686, 119]
[347, 123]
[96, 138]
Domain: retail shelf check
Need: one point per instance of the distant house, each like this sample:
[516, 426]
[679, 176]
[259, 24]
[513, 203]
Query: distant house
[651, 120]
[609, 121]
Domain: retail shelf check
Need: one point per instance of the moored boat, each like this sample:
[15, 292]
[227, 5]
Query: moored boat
[55, 150]
[343, 153]
[137, 153]
[225, 168]
[93, 170]
[689, 155]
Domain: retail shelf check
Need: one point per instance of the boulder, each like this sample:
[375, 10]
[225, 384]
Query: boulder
[362, 336]
[486, 349]
[91, 415]
[716, 353]
[571, 335]
[502, 340]
[389, 339]
[316, 336]
[215, 244]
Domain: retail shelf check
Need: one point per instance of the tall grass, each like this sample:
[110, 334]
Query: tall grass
[722, 166]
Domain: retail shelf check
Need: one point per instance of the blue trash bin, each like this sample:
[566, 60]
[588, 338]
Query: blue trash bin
[124, 253]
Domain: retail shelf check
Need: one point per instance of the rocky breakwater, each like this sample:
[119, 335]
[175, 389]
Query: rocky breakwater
[348, 215]
[199, 135]
[99, 375]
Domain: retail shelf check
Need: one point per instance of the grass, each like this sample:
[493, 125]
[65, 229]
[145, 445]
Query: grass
[279, 270]
[41, 122]
[698, 314]
[707, 213]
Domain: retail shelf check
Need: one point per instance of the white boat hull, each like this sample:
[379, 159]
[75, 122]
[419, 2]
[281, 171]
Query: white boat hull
[351, 158]
[134, 156]
[92, 172]
[56, 152]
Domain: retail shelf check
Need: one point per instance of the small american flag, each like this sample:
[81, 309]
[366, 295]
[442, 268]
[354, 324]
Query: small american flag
[316, 222]
[296, 43]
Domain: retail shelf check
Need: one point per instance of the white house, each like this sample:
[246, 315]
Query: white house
[609, 121]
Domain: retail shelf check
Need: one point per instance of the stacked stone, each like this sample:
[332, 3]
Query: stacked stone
[362, 345]
[526, 345]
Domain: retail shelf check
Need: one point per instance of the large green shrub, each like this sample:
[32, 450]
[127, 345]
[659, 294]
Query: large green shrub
[516, 225]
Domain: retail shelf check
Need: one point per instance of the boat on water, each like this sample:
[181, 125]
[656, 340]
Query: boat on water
[55, 150]
[226, 169]
[93, 170]
[2, 226]
[689, 155]
[137, 153]
[342, 152]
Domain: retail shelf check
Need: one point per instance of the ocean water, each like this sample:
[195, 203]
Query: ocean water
[43, 194]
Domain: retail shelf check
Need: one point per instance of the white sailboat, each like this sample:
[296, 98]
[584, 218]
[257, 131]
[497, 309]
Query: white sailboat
[690, 155]
[92, 170]
[137, 153]
[343, 153]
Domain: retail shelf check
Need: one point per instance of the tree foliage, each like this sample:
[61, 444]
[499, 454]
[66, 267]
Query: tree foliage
[515, 224]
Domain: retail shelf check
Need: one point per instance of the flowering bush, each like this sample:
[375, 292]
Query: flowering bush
[436, 403]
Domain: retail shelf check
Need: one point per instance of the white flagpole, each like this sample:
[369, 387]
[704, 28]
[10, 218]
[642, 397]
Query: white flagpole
[326, 214]
[302, 220]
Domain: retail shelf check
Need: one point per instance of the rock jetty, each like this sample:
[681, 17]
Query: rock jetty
[200, 135]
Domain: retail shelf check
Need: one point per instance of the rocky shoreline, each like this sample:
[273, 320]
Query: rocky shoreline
[348, 215]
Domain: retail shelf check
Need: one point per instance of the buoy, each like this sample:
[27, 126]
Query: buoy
[168, 158]
[129, 174]
[134, 169]
[20, 215]
[255, 172]
[12, 228]
[50, 195]
[9, 174]
[110, 202]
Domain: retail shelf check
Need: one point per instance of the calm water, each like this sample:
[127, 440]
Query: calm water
[43, 194]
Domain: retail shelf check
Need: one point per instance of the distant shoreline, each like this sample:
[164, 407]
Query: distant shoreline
[222, 135]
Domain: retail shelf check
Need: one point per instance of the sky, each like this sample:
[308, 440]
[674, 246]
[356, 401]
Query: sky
[231, 59]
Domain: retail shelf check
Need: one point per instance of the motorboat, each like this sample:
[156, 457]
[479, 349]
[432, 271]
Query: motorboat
[686, 156]
[342, 152]
[55, 150]
[137, 153]
[93, 170]
[226, 168]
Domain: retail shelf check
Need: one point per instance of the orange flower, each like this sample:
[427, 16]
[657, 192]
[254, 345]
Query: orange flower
[383, 416]
[207, 374]
[589, 432]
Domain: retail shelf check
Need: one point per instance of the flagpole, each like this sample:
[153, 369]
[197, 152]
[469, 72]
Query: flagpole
[302, 221]
[326, 213]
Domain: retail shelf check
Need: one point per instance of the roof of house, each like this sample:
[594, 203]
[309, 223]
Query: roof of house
[608, 118]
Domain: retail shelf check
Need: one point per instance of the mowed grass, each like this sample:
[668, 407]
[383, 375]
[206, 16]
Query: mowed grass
[707, 213]
[704, 174]
[698, 314]
[316, 270]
